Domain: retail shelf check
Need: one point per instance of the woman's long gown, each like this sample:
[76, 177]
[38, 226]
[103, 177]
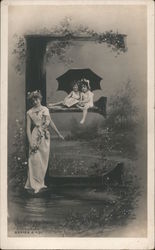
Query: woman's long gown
[39, 156]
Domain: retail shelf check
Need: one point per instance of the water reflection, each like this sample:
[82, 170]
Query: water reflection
[54, 204]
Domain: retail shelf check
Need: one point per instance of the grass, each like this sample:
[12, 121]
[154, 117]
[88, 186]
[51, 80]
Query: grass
[110, 214]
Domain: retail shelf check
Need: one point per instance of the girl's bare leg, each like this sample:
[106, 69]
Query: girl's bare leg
[57, 103]
[78, 106]
[85, 111]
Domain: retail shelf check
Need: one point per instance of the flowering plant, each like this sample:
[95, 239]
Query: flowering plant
[42, 132]
[17, 158]
[45, 123]
[34, 149]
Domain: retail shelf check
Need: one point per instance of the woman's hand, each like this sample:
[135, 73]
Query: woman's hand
[81, 103]
[31, 144]
[56, 130]
[61, 137]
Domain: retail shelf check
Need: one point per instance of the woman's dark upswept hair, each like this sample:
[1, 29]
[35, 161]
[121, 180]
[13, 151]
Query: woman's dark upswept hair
[74, 83]
[34, 95]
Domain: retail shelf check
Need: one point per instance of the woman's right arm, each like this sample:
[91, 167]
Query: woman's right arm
[68, 96]
[55, 129]
[29, 131]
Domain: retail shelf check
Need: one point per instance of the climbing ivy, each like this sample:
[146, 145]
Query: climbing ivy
[114, 40]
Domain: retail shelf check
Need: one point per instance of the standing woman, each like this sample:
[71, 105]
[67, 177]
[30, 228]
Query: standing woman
[39, 141]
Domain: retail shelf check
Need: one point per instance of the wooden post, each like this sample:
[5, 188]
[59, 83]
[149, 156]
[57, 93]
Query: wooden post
[35, 70]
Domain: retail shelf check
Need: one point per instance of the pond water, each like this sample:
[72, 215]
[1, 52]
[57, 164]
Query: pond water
[66, 211]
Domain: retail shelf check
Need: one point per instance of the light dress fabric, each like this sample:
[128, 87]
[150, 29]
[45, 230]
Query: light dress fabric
[88, 98]
[72, 99]
[38, 158]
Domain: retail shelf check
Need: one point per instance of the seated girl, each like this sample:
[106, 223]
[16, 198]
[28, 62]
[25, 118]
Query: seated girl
[86, 101]
[72, 99]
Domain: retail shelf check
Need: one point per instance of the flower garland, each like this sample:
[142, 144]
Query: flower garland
[65, 29]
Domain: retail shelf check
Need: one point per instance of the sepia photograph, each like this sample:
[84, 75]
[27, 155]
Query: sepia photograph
[77, 98]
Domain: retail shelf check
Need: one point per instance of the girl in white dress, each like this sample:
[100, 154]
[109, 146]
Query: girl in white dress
[39, 142]
[72, 99]
[86, 101]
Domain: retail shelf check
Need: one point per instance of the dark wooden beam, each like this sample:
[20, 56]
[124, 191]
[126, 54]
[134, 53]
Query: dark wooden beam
[48, 38]
[35, 70]
[99, 107]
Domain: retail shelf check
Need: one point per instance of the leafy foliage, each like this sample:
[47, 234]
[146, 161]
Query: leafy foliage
[20, 52]
[58, 48]
[114, 212]
[122, 112]
[17, 160]
[66, 29]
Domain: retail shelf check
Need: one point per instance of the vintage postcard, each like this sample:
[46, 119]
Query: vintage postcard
[77, 124]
